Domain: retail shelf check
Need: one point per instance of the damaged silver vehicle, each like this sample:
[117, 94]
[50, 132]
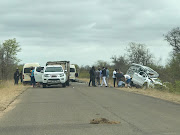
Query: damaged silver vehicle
[143, 76]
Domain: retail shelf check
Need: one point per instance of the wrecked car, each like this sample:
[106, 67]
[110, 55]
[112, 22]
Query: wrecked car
[143, 76]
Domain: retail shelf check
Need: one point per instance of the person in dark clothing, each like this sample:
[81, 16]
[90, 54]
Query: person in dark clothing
[92, 76]
[16, 77]
[20, 75]
[120, 78]
[98, 76]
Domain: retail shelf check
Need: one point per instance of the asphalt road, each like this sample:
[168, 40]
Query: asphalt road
[68, 111]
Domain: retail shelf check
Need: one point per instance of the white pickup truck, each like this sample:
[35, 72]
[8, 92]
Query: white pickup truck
[54, 75]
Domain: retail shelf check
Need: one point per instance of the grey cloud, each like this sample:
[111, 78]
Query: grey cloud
[85, 23]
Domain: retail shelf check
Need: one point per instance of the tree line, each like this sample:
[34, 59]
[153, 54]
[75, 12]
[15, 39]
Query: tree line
[140, 54]
[135, 53]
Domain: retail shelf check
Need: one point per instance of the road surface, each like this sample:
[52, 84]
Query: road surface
[68, 111]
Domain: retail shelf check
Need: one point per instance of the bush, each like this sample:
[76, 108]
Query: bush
[173, 87]
[84, 74]
[177, 86]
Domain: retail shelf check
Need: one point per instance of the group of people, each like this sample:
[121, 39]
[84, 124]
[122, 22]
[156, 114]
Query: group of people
[18, 75]
[96, 76]
[122, 80]
[103, 74]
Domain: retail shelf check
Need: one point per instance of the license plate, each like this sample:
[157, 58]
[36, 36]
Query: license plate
[53, 81]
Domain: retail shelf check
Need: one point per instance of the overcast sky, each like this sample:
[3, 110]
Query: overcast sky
[84, 31]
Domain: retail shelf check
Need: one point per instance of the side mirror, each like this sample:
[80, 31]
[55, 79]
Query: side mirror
[42, 71]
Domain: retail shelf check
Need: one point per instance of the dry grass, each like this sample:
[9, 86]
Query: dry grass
[165, 95]
[8, 92]
[155, 93]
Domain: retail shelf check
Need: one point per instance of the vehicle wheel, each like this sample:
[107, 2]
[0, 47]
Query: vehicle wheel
[64, 85]
[145, 86]
[44, 85]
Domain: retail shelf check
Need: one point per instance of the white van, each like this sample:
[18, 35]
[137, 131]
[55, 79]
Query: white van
[26, 71]
[72, 72]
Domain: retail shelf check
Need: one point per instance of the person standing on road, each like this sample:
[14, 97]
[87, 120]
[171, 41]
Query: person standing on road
[33, 82]
[20, 75]
[104, 77]
[114, 77]
[92, 76]
[107, 76]
[16, 77]
[98, 76]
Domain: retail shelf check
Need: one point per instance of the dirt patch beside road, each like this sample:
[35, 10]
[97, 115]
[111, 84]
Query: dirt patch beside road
[9, 92]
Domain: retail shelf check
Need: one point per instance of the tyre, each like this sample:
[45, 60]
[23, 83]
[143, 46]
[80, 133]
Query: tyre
[145, 86]
[64, 85]
[67, 82]
[44, 85]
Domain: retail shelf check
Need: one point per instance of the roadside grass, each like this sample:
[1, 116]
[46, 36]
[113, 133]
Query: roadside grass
[8, 92]
[169, 94]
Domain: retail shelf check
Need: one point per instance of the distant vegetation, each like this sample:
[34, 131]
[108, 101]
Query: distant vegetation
[138, 53]
[135, 53]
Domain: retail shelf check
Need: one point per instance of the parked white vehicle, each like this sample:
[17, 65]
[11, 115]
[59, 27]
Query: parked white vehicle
[66, 68]
[26, 71]
[54, 75]
[72, 72]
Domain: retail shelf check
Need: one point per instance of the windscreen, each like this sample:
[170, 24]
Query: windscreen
[72, 69]
[27, 70]
[54, 69]
[38, 69]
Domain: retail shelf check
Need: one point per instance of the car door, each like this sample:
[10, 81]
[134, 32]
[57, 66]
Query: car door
[139, 78]
[38, 74]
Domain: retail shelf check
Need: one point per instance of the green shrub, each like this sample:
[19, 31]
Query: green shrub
[177, 86]
[84, 74]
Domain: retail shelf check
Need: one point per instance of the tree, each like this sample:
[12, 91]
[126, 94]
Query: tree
[120, 63]
[173, 38]
[8, 59]
[138, 53]
[101, 63]
[173, 68]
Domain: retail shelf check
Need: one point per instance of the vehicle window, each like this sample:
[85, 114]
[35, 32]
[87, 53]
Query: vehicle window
[54, 69]
[72, 69]
[142, 74]
[38, 69]
[27, 70]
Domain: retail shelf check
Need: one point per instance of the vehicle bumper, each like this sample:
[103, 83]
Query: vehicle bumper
[54, 81]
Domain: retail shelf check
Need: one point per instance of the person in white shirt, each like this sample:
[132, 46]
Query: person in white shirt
[114, 76]
[128, 80]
